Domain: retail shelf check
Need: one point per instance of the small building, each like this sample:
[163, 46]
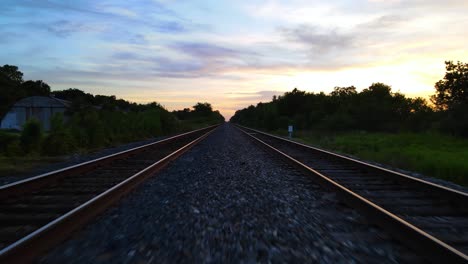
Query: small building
[41, 108]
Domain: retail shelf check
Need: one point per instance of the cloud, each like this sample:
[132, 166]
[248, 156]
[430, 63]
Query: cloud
[205, 50]
[184, 59]
[117, 14]
[263, 96]
[9, 36]
[60, 28]
[26, 6]
[64, 28]
[385, 22]
[116, 9]
[317, 39]
[171, 27]
[138, 39]
[167, 67]
[153, 65]
[377, 40]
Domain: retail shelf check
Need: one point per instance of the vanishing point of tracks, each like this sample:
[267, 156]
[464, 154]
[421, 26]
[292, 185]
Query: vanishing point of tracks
[39, 212]
[429, 218]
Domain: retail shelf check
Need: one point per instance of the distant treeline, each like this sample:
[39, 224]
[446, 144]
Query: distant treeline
[376, 108]
[92, 121]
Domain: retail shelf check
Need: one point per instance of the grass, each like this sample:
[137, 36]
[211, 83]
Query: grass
[436, 155]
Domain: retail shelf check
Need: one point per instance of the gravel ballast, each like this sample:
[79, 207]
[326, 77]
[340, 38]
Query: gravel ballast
[227, 200]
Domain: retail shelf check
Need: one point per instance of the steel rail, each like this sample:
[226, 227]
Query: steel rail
[427, 245]
[462, 197]
[19, 187]
[29, 247]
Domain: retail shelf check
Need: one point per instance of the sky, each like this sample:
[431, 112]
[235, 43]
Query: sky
[232, 53]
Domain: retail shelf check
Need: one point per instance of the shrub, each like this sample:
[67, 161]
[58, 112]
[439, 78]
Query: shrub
[6, 138]
[13, 149]
[31, 136]
[58, 143]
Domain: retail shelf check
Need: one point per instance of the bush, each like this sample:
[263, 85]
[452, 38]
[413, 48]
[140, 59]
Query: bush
[58, 143]
[31, 136]
[7, 138]
[13, 149]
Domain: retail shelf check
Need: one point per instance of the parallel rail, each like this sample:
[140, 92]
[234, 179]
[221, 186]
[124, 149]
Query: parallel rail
[39, 212]
[427, 217]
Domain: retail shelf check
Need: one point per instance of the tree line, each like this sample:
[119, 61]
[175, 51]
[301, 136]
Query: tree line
[375, 108]
[92, 121]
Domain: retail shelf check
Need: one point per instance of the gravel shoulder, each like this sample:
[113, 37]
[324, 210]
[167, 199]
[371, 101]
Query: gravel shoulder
[228, 201]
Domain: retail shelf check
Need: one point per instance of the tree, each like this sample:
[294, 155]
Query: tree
[202, 109]
[12, 73]
[344, 91]
[452, 91]
[451, 98]
[33, 88]
[10, 80]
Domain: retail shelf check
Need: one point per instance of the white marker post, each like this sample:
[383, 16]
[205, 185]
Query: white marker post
[290, 131]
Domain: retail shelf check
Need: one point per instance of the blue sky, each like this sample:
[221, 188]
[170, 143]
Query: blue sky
[231, 53]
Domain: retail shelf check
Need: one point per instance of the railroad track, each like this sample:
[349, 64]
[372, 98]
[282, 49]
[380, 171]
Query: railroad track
[39, 212]
[427, 217]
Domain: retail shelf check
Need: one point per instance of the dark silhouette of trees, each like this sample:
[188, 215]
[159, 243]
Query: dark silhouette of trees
[201, 113]
[451, 98]
[32, 88]
[375, 108]
[202, 108]
[453, 89]
[72, 94]
[10, 80]
[13, 88]
[11, 73]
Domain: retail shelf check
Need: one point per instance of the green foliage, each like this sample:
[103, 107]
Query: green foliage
[90, 128]
[31, 136]
[94, 129]
[59, 141]
[10, 143]
[13, 148]
[92, 121]
[6, 138]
